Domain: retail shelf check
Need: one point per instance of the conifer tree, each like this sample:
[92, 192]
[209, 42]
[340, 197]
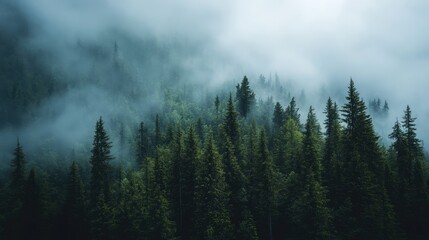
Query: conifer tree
[18, 163]
[332, 154]
[231, 126]
[217, 104]
[158, 138]
[212, 220]
[278, 117]
[75, 207]
[263, 193]
[163, 226]
[189, 166]
[177, 183]
[32, 217]
[291, 111]
[312, 213]
[412, 197]
[100, 166]
[236, 182]
[363, 175]
[142, 146]
[245, 97]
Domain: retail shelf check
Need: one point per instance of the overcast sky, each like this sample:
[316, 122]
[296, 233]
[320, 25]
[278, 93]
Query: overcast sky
[383, 45]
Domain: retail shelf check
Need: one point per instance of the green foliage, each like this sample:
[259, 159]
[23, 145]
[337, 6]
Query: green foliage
[295, 183]
[74, 219]
[231, 126]
[100, 166]
[212, 219]
[18, 173]
[245, 97]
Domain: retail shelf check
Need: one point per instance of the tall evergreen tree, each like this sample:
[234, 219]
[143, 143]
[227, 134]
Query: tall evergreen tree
[142, 146]
[263, 193]
[365, 198]
[177, 183]
[245, 97]
[32, 217]
[278, 117]
[312, 213]
[100, 166]
[231, 126]
[157, 138]
[75, 216]
[217, 104]
[163, 225]
[212, 220]
[18, 163]
[291, 111]
[412, 201]
[236, 182]
[190, 162]
[332, 153]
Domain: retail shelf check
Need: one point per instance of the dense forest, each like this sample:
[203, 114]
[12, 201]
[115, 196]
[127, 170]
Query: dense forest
[134, 120]
[239, 169]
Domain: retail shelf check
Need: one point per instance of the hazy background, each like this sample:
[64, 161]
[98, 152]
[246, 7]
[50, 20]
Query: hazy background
[109, 53]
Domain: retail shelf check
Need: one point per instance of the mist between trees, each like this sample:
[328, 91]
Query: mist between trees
[238, 169]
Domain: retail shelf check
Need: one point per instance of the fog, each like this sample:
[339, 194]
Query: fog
[314, 45]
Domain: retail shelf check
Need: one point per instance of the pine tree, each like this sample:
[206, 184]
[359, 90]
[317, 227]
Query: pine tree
[157, 138]
[75, 207]
[263, 192]
[312, 213]
[190, 163]
[245, 97]
[236, 182]
[363, 175]
[331, 155]
[32, 217]
[212, 219]
[100, 166]
[412, 198]
[291, 111]
[217, 104]
[163, 226]
[278, 117]
[18, 173]
[142, 146]
[177, 183]
[231, 126]
[287, 147]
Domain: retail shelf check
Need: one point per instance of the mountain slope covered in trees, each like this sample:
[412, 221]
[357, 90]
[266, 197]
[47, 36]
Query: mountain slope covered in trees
[227, 172]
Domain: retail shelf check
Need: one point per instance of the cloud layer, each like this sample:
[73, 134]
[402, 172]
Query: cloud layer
[383, 45]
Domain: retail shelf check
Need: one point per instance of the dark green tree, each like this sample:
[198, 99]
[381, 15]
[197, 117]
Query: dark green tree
[75, 215]
[191, 160]
[142, 146]
[365, 200]
[412, 197]
[312, 211]
[163, 225]
[245, 97]
[278, 117]
[32, 209]
[100, 166]
[263, 192]
[332, 153]
[231, 126]
[236, 183]
[18, 163]
[158, 137]
[217, 104]
[212, 220]
[291, 111]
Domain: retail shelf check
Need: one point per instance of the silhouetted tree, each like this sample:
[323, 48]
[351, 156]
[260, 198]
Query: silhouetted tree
[245, 97]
